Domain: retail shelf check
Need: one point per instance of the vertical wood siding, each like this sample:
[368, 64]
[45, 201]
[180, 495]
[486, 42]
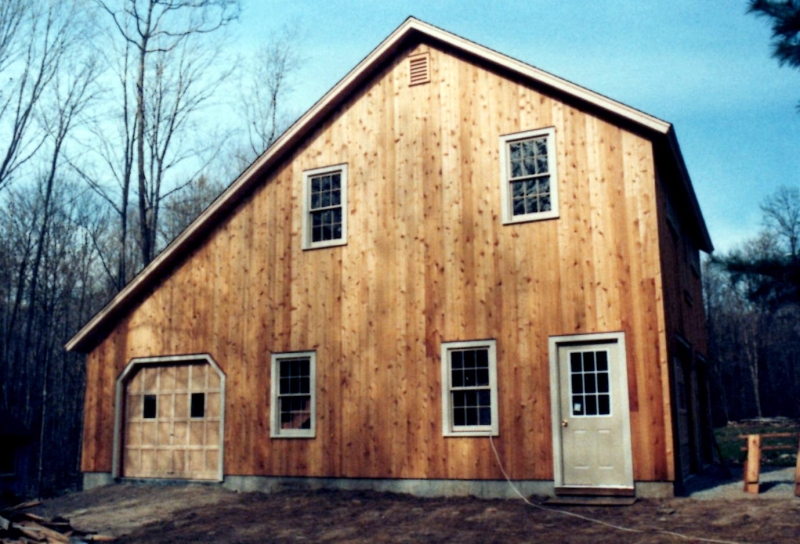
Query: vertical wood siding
[427, 260]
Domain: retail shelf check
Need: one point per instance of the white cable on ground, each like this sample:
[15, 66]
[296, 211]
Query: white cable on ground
[593, 520]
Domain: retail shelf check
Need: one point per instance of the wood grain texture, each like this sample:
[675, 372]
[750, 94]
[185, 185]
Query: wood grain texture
[427, 260]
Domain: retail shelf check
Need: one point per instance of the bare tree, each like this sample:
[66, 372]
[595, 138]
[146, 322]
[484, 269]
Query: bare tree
[185, 80]
[269, 80]
[754, 313]
[156, 29]
[181, 208]
[73, 92]
[33, 43]
[43, 391]
[112, 137]
[12, 16]
[781, 212]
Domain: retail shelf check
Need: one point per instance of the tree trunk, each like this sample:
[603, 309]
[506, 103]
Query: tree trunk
[750, 344]
[144, 231]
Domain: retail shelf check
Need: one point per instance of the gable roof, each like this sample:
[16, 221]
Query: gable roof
[660, 131]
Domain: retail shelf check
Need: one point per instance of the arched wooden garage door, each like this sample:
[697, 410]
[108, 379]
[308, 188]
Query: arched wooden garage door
[172, 419]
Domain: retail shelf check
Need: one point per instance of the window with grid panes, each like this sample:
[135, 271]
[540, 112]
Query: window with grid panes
[469, 392]
[528, 176]
[325, 205]
[293, 403]
[591, 389]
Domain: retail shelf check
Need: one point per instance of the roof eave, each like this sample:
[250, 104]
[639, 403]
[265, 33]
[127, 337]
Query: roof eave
[704, 237]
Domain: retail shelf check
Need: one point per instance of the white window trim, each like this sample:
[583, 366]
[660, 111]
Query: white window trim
[448, 429]
[505, 185]
[307, 175]
[275, 430]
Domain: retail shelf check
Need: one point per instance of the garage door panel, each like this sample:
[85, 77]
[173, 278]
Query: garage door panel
[135, 406]
[150, 379]
[212, 460]
[197, 433]
[135, 384]
[197, 461]
[181, 405]
[149, 465]
[182, 378]
[212, 405]
[165, 433]
[198, 378]
[167, 378]
[164, 461]
[179, 461]
[133, 434]
[212, 434]
[133, 460]
[165, 406]
[181, 433]
[213, 380]
[149, 433]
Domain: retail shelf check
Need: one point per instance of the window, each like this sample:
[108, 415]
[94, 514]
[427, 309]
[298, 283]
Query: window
[292, 410]
[149, 408]
[325, 207]
[198, 405]
[528, 176]
[469, 388]
[589, 383]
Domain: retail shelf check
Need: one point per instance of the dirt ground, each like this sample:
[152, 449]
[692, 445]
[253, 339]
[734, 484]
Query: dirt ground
[204, 513]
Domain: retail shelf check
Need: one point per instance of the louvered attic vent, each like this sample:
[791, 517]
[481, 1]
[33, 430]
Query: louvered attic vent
[419, 69]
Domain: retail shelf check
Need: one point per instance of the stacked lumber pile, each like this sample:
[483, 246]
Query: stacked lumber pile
[18, 526]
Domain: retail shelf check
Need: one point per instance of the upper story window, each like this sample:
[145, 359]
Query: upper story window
[293, 404]
[469, 388]
[528, 176]
[325, 207]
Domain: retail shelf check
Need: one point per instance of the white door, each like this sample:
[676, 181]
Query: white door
[591, 419]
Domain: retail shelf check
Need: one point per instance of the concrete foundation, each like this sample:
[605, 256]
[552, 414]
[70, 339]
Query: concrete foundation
[485, 489]
[655, 490]
[96, 479]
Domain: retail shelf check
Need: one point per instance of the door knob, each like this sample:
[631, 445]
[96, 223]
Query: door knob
[564, 423]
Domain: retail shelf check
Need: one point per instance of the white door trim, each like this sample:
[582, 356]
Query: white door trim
[119, 402]
[555, 342]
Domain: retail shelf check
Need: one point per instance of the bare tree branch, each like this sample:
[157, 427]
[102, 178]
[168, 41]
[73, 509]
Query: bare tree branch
[269, 81]
[162, 27]
[49, 35]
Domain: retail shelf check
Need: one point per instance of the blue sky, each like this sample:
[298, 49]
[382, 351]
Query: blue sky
[704, 66]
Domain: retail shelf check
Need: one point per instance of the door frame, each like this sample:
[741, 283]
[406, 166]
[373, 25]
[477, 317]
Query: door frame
[119, 403]
[555, 343]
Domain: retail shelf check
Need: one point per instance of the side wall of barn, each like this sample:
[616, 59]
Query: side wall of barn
[427, 261]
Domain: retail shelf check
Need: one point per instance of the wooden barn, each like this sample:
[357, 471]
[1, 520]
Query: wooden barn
[453, 261]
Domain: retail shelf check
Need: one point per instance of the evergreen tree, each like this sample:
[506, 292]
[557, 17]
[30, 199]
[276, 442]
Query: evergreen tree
[784, 16]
